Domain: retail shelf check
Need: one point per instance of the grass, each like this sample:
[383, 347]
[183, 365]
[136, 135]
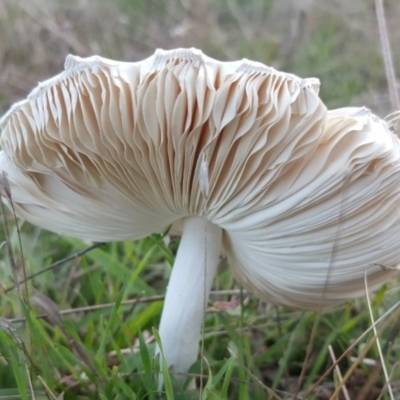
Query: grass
[56, 342]
[251, 350]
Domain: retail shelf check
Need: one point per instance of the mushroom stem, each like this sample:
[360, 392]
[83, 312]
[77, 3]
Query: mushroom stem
[187, 294]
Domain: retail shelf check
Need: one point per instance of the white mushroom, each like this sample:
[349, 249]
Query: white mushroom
[244, 159]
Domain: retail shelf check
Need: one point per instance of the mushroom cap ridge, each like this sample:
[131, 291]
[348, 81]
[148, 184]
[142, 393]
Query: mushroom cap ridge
[308, 199]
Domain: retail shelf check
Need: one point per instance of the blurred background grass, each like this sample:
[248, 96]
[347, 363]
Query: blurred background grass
[336, 41]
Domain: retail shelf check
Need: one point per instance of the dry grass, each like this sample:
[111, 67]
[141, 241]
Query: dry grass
[337, 41]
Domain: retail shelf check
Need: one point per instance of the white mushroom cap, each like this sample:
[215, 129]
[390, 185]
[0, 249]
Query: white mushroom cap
[331, 219]
[304, 202]
[115, 150]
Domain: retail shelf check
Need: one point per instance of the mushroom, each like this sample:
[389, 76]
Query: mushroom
[240, 158]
